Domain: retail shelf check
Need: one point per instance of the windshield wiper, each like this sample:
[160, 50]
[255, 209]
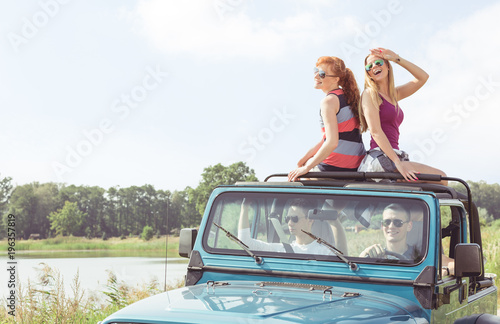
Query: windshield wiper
[353, 266]
[245, 247]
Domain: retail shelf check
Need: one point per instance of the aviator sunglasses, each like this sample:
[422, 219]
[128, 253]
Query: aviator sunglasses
[397, 222]
[322, 74]
[294, 219]
[377, 62]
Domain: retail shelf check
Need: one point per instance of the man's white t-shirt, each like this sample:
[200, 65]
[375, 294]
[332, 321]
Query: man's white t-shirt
[257, 245]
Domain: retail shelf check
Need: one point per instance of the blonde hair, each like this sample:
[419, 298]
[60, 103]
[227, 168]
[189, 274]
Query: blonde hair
[374, 94]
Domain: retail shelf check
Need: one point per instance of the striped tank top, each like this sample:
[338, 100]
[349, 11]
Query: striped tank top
[350, 150]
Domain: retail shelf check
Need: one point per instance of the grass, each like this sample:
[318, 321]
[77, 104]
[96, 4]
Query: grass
[491, 252]
[72, 243]
[47, 302]
[491, 247]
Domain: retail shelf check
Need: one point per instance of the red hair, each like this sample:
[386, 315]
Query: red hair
[346, 80]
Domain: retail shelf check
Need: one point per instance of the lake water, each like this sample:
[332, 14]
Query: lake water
[93, 269]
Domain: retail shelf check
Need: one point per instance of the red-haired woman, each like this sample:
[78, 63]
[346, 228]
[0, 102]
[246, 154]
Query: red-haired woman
[341, 148]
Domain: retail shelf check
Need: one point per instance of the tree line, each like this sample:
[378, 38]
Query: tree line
[51, 209]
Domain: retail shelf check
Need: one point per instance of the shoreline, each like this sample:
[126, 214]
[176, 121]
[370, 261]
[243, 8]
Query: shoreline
[67, 246]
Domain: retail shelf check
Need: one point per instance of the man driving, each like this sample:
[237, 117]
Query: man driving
[396, 223]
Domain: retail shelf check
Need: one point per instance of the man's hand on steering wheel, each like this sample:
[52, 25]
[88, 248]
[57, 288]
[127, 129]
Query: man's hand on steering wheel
[376, 251]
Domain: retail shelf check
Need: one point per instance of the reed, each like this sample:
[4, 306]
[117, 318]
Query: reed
[47, 302]
[491, 252]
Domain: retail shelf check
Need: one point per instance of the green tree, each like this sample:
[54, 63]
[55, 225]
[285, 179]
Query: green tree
[92, 202]
[484, 195]
[484, 217]
[111, 216]
[147, 233]
[217, 175]
[190, 214]
[67, 220]
[178, 213]
[161, 210]
[144, 198]
[5, 192]
[125, 201]
[32, 203]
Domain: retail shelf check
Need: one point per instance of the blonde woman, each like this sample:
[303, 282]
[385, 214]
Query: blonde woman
[380, 112]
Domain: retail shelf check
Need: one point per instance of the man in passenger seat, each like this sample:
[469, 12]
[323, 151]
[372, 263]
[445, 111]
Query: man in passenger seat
[297, 219]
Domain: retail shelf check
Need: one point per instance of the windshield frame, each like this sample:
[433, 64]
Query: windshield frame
[217, 206]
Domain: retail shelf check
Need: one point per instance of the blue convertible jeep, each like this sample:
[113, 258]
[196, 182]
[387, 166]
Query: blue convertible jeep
[337, 247]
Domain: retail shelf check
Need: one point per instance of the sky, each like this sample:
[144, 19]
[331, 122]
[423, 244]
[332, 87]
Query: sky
[132, 92]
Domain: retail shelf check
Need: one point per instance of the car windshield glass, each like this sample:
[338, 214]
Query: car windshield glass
[363, 228]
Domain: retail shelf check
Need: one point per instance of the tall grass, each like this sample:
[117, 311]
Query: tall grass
[491, 252]
[491, 247]
[47, 302]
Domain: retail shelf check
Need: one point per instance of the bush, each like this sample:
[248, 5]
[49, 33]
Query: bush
[496, 224]
[147, 233]
[88, 233]
[104, 236]
[484, 217]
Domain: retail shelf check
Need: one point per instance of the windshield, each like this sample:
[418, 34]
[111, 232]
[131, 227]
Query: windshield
[362, 228]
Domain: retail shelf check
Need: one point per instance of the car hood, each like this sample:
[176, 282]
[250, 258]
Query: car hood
[255, 302]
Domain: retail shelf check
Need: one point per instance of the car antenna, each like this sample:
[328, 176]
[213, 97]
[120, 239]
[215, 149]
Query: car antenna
[166, 251]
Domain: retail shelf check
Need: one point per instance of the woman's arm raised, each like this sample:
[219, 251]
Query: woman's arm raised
[421, 77]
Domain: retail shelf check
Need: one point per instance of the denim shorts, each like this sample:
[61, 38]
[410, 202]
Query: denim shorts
[376, 161]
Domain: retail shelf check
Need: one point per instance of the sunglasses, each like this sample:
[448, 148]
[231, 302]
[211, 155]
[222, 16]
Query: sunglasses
[377, 62]
[397, 222]
[322, 74]
[294, 219]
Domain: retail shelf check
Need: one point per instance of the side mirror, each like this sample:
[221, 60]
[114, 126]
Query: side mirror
[186, 241]
[468, 260]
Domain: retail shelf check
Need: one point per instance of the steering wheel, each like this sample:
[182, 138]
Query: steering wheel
[396, 255]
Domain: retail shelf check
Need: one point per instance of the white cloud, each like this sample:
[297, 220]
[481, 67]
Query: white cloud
[460, 100]
[467, 49]
[198, 28]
